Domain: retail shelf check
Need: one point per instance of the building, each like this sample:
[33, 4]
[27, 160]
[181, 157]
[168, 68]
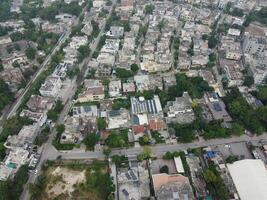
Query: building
[38, 117]
[142, 82]
[169, 187]
[61, 70]
[24, 138]
[92, 94]
[257, 68]
[40, 104]
[217, 107]
[85, 111]
[133, 182]
[118, 119]
[180, 110]
[16, 158]
[115, 32]
[128, 87]
[115, 88]
[250, 178]
[141, 105]
[254, 45]
[51, 87]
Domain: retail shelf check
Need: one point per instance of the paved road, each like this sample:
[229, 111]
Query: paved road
[159, 150]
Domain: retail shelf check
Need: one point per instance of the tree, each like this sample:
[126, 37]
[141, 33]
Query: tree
[237, 129]
[212, 42]
[146, 154]
[6, 96]
[60, 128]
[123, 73]
[91, 140]
[30, 53]
[249, 81]
[231, 159]
[134, 68]
[144, 140]
[164, 169]
[107, 151]
[149, 9]
[101, 123]
[262, 93]
[209, 176]
[262, 113]
[83, 52]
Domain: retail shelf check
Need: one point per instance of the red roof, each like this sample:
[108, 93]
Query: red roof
[138, 129]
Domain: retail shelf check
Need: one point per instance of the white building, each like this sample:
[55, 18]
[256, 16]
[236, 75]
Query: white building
[115, 88]
[250, 178]
[253, 45]
[51, 87]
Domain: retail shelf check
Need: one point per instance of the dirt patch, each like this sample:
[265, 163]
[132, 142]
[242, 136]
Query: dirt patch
[63, 181]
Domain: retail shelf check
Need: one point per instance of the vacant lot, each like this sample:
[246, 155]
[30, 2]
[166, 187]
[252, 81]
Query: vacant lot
[73, 180]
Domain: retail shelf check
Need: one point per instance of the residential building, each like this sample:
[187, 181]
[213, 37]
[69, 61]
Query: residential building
[169, 187]
[118, 119]
[254, 45]
[38, 117]
[38, 103]
[115, 32]
[51, 87]
[180, 110]
[115, 88]
[24, 139]
[89, 111]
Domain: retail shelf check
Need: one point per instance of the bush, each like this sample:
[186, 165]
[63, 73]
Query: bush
[164, 169]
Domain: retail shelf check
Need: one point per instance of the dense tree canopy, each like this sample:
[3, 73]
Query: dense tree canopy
[6, 95]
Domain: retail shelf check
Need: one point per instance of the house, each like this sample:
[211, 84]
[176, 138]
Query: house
[85, 111]
[92, 94]
[169, 187]
[16, 158]
[94, 91]
[115, 88]
[180, 110]
[38, 117]
[61, 70]
[51, 87]
[118, 119]
[217, 107]
[115, 32]
[142, 82]
[38, 103]
[168, 81]
[24, 139]
[128, 87]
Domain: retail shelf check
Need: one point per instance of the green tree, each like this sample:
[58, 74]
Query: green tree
[134, 68]
[164, 169]
[60, 128]
[149, 9]
[212, 42]
[145, 154]
[6, 96]
[101, 124]
[144, 140]
[249, 81]
[209, 176]
[83, 52]
[30, 53]
[123, 73]
[90, 141]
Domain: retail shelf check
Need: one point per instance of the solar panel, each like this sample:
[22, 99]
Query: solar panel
[87, 108]
[128, 176]
[133, 175]
[217, 107]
